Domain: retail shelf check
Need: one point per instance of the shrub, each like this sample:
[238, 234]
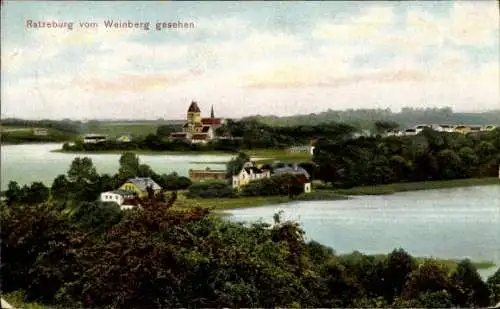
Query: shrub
[210, 190]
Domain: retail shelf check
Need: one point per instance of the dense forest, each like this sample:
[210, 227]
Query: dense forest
[100, 257]
[430, 155]
[407, 117]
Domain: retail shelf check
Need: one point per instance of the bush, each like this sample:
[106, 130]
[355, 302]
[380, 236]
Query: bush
[285, 185]
[210, 190]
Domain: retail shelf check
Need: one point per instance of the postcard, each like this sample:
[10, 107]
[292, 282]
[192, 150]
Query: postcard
[174, 154]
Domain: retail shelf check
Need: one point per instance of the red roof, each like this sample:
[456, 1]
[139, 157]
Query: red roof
[211, 121]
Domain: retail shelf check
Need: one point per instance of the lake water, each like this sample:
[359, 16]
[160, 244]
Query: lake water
[448, 223]
[36, 162]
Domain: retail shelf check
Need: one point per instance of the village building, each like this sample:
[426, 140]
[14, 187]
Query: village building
[198, 130]
[489, 128]
[207, 175]
[306, 148]
[410, 132]
[94, 138]
[248, 173]
[120, 197]
[302, 175]
[140, 185]
[444, 128]
[125, 137]
[462, 129]
[40, 132]
[475, 129]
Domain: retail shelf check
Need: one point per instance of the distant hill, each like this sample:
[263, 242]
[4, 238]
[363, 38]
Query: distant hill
[365, 118]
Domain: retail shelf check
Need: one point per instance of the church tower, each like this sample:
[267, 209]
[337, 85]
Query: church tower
[193, 118]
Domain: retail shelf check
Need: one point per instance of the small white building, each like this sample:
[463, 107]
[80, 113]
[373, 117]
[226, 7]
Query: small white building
[410, 132]
[40, 131]
[119, 197]
[94, 138]
[419, 128]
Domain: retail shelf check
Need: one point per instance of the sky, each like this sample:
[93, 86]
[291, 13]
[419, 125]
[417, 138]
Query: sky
[247, 58]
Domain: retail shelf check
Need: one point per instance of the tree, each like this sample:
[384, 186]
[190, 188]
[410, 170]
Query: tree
[399, 267]
[13, 193]
[60, 188]
[384, 126]
[450, 165]
[37, 193]
[34, 194]
[468, 287]
[494, 286]
[129, 166]
[97, 217]
[235, 165]
[83, 180]
[82, 171]
[429, 277]
[165, 130]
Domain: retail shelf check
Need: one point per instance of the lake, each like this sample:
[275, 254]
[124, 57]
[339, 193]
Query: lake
[448, 223]
[35, 162]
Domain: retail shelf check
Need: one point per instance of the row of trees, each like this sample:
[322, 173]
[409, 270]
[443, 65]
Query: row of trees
[430, 155]
[162, 258]
[250, 134]
[365, 118]
[82, 183]
[68, 126]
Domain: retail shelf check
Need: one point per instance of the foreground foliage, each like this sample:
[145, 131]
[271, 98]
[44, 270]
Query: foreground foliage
[162, 258]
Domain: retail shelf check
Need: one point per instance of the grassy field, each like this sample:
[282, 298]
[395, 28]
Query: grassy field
[18, 135]
[112, 129]
[270, 155]
[416, 186]
[253, 201]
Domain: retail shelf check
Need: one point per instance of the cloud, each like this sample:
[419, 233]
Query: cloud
[370, 22]
[134, 83]
[242, 70]
[283, 80]
[48, 43]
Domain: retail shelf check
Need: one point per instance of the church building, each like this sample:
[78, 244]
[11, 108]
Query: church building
[198, 129]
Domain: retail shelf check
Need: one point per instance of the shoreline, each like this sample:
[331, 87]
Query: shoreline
[148, 152]
[261, 156]
[226, 204]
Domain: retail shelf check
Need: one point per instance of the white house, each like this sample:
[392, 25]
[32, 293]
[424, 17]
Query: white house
[305, 148]
[410, 132]
[421, 127]
[393, 133]
[248, 173]
[94, 138]
[40, 132]
[444, 128]
[119, 197]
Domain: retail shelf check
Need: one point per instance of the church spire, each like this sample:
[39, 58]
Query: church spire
[212, 112]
